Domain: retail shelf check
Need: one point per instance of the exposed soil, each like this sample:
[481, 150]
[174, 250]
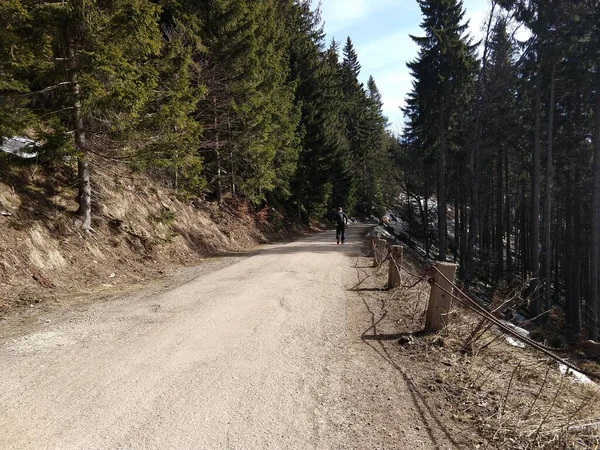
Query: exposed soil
[266, 351]
[141, 233]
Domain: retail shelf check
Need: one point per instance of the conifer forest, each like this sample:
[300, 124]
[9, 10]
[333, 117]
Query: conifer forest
[496, 167]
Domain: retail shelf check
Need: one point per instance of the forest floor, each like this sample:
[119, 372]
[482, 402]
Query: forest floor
[495, 396]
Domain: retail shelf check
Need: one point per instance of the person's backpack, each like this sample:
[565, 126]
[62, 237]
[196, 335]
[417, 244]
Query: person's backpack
[339, 218]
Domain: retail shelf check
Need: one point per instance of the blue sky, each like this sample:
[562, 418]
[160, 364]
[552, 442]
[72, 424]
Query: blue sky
[379, 30]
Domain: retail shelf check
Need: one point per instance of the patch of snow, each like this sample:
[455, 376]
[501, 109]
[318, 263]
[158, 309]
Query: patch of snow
[514, 342]
[381, 231]
[522, 331]
[579, 377]
[19, 146]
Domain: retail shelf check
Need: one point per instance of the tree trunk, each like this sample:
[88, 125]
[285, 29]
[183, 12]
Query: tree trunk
[219, 188]
[585, 276]
[83, 171]
[441, 194]
[558, 237]
[592, 310]
[474, 201]
[232, 163]
[425, 220]
[576, 268]
[456, 226]
[548, 201]
[463, 240]
[569, 256]
[499, 218]
[525, 231]
[509, 268]
[535, 305]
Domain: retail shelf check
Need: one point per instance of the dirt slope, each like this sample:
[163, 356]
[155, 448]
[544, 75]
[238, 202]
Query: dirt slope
[141, 232]
[263, 352]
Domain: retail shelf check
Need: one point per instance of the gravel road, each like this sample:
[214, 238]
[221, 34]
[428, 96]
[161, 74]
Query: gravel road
[260, 352]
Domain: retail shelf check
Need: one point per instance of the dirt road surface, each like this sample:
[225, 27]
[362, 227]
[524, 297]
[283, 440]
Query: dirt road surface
[263, 351]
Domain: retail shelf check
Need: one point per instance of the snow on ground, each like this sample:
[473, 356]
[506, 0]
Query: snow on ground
[579, 377]
[19, 146]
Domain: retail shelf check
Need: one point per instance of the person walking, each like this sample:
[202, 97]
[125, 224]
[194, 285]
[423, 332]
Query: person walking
[341, 222]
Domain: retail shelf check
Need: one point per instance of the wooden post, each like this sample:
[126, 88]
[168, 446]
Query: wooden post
[372, 243]
[395, 263]
[439, 301]
[380, 252]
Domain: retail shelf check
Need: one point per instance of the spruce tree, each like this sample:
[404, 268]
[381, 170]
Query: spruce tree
[249, 114]
[443, 73]
[355, 111]
[322, 179]
[377, 149]
[19, 53]
[98, 75]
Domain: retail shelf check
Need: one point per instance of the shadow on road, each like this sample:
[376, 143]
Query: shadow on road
[320, 243]
[376, 342]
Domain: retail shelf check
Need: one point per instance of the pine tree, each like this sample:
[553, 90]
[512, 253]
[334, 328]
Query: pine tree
[248, 113]
[356, 106]
[443, 74]
[322, 179]
[377, 149]
[169, 123]
[98, 75]
[19, 52]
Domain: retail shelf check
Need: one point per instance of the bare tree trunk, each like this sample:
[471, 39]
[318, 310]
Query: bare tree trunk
[592, 310]
[558, 231]
[577, 258]
[463, 240]
[509, 263]
[548, 201]
[456, 226]
[441, 194]
[474, 203]
[525, 232]
[232, 165]
[218, 156]
[83, 171]
[499, 218]
[535, 304]
[425, 220]
[569, 256]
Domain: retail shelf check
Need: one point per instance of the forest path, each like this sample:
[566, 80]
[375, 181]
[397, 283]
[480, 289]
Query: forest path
[264, 353]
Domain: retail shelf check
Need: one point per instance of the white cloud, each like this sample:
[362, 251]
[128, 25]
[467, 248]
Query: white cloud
[385, 51]
[384, 46]
[477, 12]
[393, 84]
[339, 14]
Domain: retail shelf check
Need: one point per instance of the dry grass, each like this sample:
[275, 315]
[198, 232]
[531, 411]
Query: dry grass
[494, 396]
[141, 232]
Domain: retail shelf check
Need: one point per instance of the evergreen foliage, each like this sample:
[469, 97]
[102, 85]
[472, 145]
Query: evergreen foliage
[522, 166]
[212, 97]
[443, 86]
[244, 98]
